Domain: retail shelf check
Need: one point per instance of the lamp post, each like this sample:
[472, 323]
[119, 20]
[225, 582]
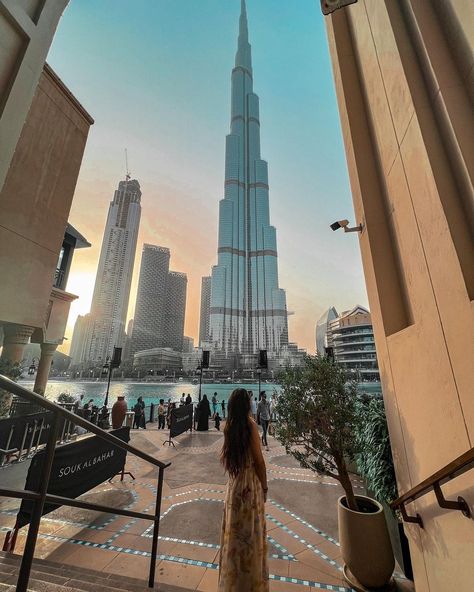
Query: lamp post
[259, 372]
[199, 371]
[107, 369]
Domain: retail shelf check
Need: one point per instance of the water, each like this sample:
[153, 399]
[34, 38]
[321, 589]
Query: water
[151, 392]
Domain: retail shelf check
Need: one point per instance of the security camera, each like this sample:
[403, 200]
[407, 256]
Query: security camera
[345, 224]
[339, 224]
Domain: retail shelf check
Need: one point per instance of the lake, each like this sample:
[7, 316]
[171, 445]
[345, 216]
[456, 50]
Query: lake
[151, 392]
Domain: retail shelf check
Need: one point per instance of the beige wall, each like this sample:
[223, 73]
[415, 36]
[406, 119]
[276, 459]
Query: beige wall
[27, 28]
[36, 199]
[404, 75]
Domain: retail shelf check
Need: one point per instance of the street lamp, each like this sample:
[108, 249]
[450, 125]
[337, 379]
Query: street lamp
[108, 367]
[32, 368]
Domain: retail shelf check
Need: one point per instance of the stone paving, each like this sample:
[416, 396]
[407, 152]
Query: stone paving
[301, 520]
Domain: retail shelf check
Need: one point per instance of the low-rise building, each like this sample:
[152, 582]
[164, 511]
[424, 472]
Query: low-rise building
[157, 360]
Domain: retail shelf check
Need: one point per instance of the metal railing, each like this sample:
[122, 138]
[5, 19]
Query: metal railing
[42, 496]
[457, 467]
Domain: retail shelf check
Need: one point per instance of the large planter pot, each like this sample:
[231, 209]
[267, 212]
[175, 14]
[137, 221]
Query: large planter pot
[119, 411]
[365, 544]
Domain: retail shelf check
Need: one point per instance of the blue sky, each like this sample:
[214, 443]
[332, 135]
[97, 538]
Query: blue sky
[155, 75]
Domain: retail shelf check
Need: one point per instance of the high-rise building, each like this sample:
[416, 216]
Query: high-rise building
[248, 309]
[205, 316]
[161, 303]
[151, 295]
[188, 344]
[175, 309]
[322, 327]
[80, 340]
[114, 274]
[403, 74]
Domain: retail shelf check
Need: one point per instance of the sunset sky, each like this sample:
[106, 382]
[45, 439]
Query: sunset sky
[155, 76]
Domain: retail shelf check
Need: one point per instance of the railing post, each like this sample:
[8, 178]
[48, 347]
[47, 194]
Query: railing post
[32, 536]
[156, 529]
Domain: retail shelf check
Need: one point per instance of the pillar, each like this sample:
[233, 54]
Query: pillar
[44, 366]
[15, 337]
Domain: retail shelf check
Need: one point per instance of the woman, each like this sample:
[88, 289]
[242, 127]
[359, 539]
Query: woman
[204, 413]
[243, 554]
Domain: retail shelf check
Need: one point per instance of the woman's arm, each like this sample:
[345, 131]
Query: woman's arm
[257, 456]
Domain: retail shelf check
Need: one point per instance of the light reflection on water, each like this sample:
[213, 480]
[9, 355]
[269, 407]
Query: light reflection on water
[151, 393]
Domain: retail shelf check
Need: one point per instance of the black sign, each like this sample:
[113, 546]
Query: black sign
[26, 431]
[181, 420]
[328, 6]
[205, 359]
[77, 467]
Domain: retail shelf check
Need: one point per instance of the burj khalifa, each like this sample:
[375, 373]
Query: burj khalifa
[248, 308]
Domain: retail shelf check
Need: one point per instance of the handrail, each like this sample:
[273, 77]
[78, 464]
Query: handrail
[41, 497]
[16, 389]
[457, 467]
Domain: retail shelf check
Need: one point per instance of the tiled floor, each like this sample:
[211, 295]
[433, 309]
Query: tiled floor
[302, 554]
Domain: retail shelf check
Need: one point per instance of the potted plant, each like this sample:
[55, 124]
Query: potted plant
[319, 422]
[375, 465]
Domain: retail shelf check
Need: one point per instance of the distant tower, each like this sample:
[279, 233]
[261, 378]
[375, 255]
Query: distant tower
[322, 328]
[205, 315]
[248, 309]
[114, 274]
[175, 310]
[79, 341]
[161, 302]
[151, 295]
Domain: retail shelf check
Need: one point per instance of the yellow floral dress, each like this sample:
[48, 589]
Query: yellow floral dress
[243, 555]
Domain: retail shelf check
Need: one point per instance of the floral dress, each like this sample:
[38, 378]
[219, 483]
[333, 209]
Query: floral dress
[243, 555]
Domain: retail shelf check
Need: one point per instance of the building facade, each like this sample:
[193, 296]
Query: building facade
[26, 30]
[36, 241]
[157, 360]
[403, 74]
[175, 310]
[161, 303]
[248, 308]
[150, 309]
[351, 338]
[322, 329]
[205, 312]
[114, 274]
[188, 344]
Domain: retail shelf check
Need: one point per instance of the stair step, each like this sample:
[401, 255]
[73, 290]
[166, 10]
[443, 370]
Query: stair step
[47, 576]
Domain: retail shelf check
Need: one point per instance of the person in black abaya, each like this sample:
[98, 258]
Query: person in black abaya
[204, 414]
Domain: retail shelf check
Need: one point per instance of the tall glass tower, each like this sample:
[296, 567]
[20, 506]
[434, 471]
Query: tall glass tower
[248, 309]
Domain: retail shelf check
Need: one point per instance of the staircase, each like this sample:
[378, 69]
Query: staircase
[47, 576]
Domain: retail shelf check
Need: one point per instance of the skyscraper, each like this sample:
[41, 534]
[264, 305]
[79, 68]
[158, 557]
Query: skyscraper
[150, 306]
[175, 309]
[205, 316]
[161, 302]
[114, 274]
[248, 309]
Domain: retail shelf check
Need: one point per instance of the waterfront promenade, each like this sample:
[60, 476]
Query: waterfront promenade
[301, 520]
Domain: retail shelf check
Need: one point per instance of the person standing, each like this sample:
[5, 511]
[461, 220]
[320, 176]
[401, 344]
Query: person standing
[214, 404]
[182, 400]
[264, 414]
[217, 422]
[188, 400]
[204, 413]
[161, 415]
[223, 409]
[139, 417]
[243, 565]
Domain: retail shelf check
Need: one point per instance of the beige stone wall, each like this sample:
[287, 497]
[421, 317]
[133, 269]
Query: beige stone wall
[27, 28]
[36, 199]
[404, 75]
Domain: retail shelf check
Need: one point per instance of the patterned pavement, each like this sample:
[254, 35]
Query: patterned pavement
[302, 554]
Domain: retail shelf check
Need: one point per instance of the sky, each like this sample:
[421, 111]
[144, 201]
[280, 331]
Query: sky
[155, 76]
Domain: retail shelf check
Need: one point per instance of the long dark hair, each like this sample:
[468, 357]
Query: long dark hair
[236, 432]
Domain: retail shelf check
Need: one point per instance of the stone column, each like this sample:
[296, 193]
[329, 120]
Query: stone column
[15, 337]
[44, 366]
